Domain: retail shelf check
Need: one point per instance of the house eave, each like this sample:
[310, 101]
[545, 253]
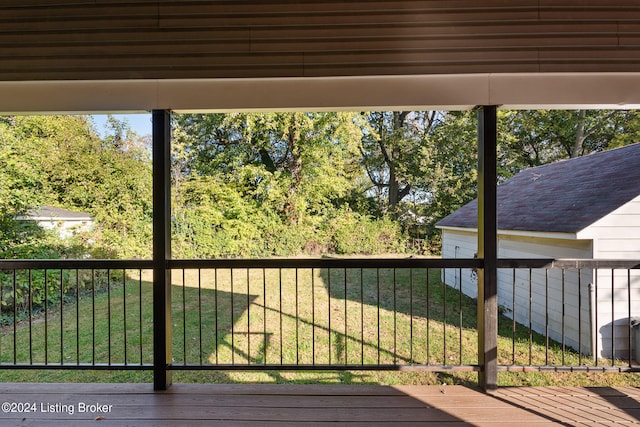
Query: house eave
[433, 91]
[519, 233]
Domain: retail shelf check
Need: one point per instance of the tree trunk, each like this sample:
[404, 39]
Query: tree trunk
[393, 189]
[580, 136]
[295, 168]
[394, 185]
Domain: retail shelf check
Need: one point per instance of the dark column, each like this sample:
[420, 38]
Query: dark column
[161, 249]
[487, 249]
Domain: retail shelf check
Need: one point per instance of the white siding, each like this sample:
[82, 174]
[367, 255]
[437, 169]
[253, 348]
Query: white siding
[67, 228]
[460, 244]
[616, 236]
[623, 288]
[553, 306]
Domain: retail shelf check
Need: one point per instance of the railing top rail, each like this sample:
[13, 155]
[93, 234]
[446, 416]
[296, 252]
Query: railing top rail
[53, 264]
[329, 262]
[550, 263]
[325, 262]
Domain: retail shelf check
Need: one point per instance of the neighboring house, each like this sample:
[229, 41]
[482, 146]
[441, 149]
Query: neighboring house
[587, 207]
[66, 223]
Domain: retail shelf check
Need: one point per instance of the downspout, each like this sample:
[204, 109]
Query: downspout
[455, 271]
[593, 301]
[592, 315]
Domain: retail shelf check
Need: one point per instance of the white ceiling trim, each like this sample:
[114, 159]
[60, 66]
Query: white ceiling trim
[446, 92]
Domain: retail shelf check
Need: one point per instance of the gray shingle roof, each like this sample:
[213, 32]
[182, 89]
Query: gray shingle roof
[50, 212]
[566, 196]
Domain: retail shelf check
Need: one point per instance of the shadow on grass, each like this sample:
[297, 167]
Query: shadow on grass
[452, 316]
[207, 328]
[412, 292]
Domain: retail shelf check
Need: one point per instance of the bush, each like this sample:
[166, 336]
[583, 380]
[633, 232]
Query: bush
[24, 291]
[357, 234]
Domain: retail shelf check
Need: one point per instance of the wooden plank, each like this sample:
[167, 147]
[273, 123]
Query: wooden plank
[259, 401]
[248, 413]
[284, 405]
[597, 405]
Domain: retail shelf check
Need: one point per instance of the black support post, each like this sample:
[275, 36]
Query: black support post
[487, 248]
[161, 249]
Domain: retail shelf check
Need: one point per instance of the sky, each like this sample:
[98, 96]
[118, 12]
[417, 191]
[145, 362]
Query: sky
[139, 123]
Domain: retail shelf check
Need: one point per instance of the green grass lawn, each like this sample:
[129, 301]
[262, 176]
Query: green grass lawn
[271, 317]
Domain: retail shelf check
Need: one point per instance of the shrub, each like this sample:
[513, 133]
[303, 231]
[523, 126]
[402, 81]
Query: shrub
[357, 234]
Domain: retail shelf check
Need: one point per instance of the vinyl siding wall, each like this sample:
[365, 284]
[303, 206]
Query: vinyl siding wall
[617, 236]
[516, 289]
[164, 39]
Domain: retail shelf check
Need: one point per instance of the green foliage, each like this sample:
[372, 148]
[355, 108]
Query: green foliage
[299, 163]
[31, 291]
[533, 138]
[452, 159]
[263, 184]
[60, 161]
[215, 220]
[357, 234]
[20, 177]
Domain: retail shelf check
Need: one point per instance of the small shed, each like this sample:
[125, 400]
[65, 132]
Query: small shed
[65, 222]
[586, 207]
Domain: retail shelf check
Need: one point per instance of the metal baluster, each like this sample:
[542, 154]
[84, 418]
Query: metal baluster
[563, 315]
[361, 318]
[513, 321]
[248, 319]
[109, 311]
[46, 317]
[77, 317]
[428, 284]
[30, 278]
[140, 313]
[546, 311]
[313, 316]
[346, 316]
[579, 317]
[61, 318]
[264, 317]
[232, 310]
[124, 313]
[530, 318]
[184, 317]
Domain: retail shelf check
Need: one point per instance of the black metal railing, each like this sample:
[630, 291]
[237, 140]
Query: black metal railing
[75, 315]
[570, 315]
[319, 314]
[563, 315]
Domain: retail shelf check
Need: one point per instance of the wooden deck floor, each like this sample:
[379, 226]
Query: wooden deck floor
[312, 405]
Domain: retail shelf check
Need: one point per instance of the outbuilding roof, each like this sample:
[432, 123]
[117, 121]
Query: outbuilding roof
[566, 196]
[51, 213]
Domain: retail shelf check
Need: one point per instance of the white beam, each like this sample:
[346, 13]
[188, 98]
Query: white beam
[443, 92]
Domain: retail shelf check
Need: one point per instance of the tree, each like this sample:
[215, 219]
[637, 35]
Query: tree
[20, 176]
[533, 138]
[308, 158]
[64, 163]
[392, 152]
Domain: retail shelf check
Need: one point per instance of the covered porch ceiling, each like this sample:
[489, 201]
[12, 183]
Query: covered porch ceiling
[278, 55]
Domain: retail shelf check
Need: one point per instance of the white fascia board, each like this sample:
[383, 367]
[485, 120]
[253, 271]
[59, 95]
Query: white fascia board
[462, 229]
[521, 233]
[562, 91]
[361, 93]
[53, 218]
